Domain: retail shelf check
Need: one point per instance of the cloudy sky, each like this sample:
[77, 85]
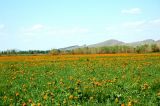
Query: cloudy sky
[47, 24]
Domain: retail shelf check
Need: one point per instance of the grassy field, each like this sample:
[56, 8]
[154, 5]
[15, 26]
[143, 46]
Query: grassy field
[87, 80]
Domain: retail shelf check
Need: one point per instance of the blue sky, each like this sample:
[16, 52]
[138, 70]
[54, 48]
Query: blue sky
[47, 24]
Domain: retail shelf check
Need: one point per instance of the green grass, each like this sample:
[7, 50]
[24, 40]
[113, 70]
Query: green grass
[97, 80]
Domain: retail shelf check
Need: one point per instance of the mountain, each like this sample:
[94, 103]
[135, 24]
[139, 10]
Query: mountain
[70, 47]
[158, 41]
[138, 43]
[111, 42]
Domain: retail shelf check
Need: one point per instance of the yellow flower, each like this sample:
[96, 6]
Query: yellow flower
[78, 82]
[33, 104]
[39, 104]
[5, 97]
[45, 97]
[23, 85]
[116, 100]
[52, 95]
[129, 103]
[71, 97]
[91, 98]
[145, 86]
[49, 83]
[30, 101]
[70, 78]
[75, 97]
[64, 102]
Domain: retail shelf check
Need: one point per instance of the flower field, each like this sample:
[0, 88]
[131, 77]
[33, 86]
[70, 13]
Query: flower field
[80, 80]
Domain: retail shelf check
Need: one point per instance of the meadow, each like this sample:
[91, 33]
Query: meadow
[80, 80]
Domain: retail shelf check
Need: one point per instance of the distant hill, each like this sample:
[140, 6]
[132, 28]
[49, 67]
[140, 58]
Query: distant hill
[70, 47]
[138, 43]
[158, 41]
[111, 42]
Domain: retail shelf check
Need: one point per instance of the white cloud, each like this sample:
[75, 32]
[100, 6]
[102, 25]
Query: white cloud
[39, 30]
[52, 33]
[127, 26]
[33, 29]
[37, 27]
[135, 24]
[68, 31]
[155, 22]
[53, 36]
[135, 30]
[131, 11]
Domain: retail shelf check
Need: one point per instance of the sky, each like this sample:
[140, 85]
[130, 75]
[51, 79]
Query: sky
[48, 24]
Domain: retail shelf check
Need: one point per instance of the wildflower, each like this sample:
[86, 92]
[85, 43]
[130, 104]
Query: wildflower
[5, 97]
[61, 82]
[45, 97]
[97, 83]
[11, 100]
[75, 97]
[30, 101]
[49, 83]
[52, 100]
[33, 104]
[70, 78]
[17, 94]
[76, 88]
[129, 103]
[116, 100]
[145, 86]
[71, 97]
[122, 104]
[78, 82]
[64, 102]
[91, 98]
[24, 104]
[39, 104]
[52, 95]
[23, 86]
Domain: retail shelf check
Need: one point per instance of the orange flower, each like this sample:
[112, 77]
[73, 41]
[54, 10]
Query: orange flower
[24, 104]
[17, 94]
[122, 104]
[39, 104]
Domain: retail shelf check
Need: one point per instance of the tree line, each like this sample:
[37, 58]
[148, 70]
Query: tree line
[90, 50]
[110, 50]
[27, 52]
